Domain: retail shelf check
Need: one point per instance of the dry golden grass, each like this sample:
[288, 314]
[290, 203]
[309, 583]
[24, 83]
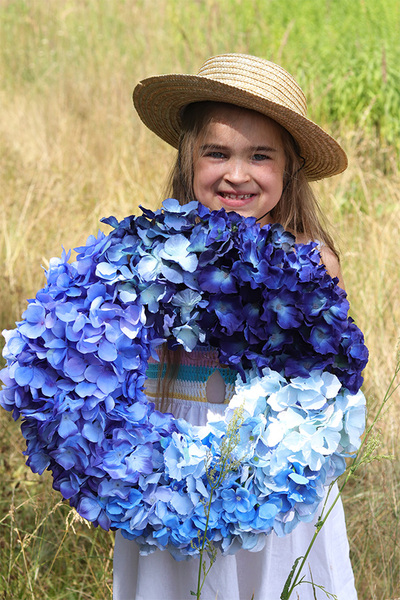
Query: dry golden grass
[72, 151]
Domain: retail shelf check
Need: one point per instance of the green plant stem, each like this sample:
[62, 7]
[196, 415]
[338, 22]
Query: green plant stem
[358, 459]
[212, 490]
[199, 583]
[226, 466]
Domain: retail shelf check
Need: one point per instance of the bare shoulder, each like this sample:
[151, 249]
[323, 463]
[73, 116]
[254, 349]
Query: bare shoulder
[332, 264]
[328, 257]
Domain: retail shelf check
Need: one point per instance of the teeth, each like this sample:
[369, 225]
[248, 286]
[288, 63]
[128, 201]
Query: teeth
[236, 196]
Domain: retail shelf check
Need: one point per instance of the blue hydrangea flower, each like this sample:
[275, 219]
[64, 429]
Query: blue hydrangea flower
[76, 370]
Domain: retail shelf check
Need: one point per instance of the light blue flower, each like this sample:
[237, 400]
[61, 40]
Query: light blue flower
[89, 508]
[183, 459]
[187, 300]
[187, 335]
[152, 295]
[76, 369]
[175, 249]
[34, 325]
[150, 266]
[239, 504]
[139, 461]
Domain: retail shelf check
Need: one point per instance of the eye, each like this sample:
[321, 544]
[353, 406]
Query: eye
[215, 154]
[260, 157]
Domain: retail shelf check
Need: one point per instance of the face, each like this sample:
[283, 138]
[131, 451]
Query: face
[239, 163]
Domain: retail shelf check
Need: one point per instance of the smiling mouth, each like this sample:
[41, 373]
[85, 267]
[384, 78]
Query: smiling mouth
[230, 196]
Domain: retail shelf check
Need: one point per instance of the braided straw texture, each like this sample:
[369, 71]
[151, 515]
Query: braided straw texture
[245, 81]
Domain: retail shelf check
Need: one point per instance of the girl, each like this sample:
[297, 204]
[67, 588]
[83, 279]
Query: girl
[245, 145]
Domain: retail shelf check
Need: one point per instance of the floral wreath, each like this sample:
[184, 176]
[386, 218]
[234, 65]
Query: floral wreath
[76, 370]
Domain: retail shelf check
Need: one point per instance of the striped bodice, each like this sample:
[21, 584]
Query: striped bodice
[194, 373]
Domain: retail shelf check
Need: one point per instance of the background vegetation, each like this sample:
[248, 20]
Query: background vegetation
[72, 151]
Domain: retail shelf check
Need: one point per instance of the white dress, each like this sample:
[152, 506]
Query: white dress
[244, 575]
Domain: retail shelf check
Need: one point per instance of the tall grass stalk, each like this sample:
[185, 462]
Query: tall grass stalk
[217, 471]
[365, 455]
[72, 151]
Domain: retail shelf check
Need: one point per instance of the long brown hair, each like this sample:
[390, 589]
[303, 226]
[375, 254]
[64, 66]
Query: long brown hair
[297, 210]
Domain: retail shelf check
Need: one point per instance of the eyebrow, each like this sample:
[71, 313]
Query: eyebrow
[218, 147]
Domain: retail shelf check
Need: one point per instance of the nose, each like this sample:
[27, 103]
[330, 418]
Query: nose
[236, 172]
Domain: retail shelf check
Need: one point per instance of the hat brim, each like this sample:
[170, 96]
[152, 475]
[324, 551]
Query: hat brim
[159, 102]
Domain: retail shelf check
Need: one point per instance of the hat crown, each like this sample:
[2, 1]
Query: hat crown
[256, 76]
[247, 81]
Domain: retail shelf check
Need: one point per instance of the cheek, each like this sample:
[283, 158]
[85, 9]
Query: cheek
[278, 176]
[195, 180]
[196, 177]
[196, 188]
[202, 181]
[272, 179]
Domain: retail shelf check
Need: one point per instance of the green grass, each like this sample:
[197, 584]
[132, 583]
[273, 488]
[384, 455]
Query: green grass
[73, 150]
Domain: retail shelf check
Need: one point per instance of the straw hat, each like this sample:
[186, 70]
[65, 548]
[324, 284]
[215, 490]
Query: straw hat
[245, 81]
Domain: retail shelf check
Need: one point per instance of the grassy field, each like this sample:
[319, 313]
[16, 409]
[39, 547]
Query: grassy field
[73, 150]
